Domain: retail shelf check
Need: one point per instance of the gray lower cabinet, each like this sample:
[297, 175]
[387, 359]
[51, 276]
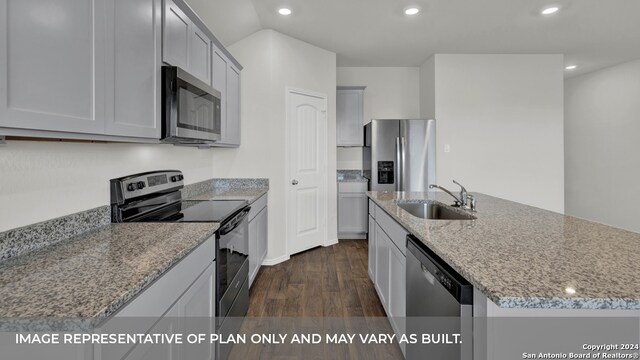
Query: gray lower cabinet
[372, 249]
[193, 313]
[180, 301]
[94, 74]
[352, 210]
[387, 266]
[258, 236]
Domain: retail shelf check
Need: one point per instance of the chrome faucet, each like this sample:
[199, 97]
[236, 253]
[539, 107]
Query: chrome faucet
[465, 200]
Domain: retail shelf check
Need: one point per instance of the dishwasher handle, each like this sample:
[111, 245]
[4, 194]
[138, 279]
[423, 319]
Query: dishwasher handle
[427, 274]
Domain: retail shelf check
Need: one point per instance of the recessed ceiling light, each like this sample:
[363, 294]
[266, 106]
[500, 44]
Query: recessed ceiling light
[284, 11]
[549, 10]
[571, 67]
[411, 11]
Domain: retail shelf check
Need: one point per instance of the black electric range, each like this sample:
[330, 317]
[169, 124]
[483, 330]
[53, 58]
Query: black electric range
[156, 197]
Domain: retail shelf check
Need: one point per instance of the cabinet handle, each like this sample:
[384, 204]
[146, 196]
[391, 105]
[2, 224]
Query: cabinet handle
[294, 182]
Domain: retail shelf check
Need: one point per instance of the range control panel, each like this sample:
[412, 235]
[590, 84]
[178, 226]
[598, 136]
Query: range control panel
[143, 184]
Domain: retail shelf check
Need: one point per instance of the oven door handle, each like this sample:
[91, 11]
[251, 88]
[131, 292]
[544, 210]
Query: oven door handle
[233, 224]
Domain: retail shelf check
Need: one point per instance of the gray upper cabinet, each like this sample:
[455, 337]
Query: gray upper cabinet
[89, 71]
[200, 56]
[226, 79]
[231, 129]
[134, 62]
[185, 45]
[349, 115]
[219, 66]
[176, 33]
[52, 65]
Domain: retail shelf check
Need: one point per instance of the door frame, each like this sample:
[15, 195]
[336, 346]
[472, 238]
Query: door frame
[325, 182]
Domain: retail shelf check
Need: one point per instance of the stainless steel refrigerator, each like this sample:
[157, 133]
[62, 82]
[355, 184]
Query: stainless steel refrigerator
[400, 155]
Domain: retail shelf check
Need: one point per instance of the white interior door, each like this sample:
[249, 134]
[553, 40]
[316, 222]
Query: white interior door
[307, 183]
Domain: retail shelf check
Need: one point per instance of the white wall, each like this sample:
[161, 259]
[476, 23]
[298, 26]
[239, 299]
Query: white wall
[502, 116]
[602, 149]
[273, 61]
[391, 93]
[42, 180]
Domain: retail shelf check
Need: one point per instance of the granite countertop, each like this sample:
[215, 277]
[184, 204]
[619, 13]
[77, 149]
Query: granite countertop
[351, 176]
[77, 283]
[525, 257]
[249, 195]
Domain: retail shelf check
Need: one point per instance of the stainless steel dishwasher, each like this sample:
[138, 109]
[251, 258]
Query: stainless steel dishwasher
[439, 303]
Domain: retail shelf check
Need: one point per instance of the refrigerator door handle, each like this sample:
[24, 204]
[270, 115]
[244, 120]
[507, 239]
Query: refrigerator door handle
[398, 167]
[403, 161]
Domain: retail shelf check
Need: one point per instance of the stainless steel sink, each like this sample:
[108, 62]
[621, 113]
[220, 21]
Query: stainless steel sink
[433, 210]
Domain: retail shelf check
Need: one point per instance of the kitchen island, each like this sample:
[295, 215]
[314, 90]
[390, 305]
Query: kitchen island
[520, 256]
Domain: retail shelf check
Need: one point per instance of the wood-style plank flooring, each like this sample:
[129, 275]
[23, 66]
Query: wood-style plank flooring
[323, 291]
[325, 281]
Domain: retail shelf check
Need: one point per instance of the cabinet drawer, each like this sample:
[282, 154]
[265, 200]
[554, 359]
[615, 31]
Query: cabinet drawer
[372, 209]
[396, 232]
[257, 206]
[357, 187]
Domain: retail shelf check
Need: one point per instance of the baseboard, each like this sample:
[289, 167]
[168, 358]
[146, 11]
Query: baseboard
[275, 261]
[331, 242]
[352, 236]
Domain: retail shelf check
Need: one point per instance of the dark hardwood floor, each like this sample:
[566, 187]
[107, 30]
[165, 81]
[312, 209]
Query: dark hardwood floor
[323, 291]
[326, 281]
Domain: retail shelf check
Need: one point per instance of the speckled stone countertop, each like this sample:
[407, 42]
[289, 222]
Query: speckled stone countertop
[525, 257]
[350, 176]
[77, 283]
[247, 194]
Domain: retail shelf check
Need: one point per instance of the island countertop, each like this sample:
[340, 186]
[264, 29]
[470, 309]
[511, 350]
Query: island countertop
[79, 282]
[520, 256]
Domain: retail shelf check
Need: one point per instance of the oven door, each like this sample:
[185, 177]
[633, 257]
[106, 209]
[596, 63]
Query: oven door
[232, 262]
[192, 109]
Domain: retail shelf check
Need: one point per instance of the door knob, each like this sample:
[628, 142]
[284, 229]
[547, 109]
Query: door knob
[294, 182]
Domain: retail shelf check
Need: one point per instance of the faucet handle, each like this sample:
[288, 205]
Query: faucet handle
[472, 202]
[457, 183]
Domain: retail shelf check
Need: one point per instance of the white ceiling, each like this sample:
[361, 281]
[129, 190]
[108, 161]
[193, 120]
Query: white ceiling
[591, 33]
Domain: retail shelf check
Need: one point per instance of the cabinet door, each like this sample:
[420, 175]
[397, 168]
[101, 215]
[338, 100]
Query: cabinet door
[349, 123]
[166, 325]
[263, 235]
[134, 29]
[352, 213]
[231, 131]
[52, 65]
[382, 266]
[219, 82]
[176, 31]
[196, 309]
[372, 249]
[253, 249]
[200, 55]
[397, 289]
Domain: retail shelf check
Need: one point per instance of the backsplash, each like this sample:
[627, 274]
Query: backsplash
[198, 188]
[16, 242]
[22, 240]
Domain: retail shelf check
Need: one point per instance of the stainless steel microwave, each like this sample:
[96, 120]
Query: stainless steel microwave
[190, 108]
